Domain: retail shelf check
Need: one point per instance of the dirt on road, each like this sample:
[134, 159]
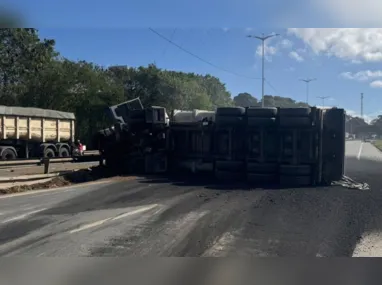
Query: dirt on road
[194, 220]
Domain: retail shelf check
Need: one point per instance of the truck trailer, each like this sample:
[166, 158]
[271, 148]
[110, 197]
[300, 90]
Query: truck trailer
[284, 146]
[35, 133]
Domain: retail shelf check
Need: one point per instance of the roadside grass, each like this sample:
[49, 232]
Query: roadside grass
[378, 144]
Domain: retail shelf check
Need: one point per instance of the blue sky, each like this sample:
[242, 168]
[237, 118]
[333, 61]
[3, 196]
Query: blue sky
[345, 62]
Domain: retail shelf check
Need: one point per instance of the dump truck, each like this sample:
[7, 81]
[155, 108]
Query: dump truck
[35, 133]
[283, 146]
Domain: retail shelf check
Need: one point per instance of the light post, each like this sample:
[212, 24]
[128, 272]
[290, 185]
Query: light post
[307, 81]
[263, 39]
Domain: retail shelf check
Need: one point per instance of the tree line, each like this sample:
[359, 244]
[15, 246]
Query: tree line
[34, 74]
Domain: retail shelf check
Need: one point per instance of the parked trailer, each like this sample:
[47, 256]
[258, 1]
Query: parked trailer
[35, 133]
[284, 146]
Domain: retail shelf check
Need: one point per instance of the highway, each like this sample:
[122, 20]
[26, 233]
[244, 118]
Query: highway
[166, 218]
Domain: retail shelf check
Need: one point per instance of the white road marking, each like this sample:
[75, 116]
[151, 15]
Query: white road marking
[144, 209]
[22, 216]
[370, 245]
[98, 223]
[360, 152]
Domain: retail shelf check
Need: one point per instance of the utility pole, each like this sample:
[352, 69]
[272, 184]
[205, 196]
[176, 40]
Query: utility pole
[307, 81]
[263, 39]
[323, 99]
[362, 105]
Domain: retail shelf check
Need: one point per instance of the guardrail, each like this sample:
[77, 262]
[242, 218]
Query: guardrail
[31, 162]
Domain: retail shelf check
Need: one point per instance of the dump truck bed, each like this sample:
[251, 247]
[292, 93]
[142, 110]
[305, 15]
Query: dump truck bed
[19, 123]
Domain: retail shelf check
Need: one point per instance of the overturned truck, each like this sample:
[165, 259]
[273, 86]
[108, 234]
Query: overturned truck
[283, 146]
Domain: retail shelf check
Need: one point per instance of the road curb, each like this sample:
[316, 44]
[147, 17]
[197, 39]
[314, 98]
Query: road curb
[29, 177]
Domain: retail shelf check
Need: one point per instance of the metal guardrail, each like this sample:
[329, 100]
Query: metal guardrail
[31, 162]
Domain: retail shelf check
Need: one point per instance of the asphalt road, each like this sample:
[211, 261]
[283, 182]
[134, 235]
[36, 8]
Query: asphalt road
[167, 218]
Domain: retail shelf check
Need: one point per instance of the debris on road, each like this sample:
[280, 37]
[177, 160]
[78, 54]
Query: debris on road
[349, 183]
[70, 178]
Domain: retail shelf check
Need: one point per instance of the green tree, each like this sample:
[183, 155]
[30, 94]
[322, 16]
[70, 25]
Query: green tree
[22, 56]
[245, 100]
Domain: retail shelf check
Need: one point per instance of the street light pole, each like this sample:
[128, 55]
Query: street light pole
[307, 81]
[263, 39]
[323, 99]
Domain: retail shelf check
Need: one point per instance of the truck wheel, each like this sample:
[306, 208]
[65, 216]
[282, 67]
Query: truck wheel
[229, 121]
[262, 168]
[49, 153]
[295, 169]
[294, 112]
[229, 176]
[8, 154]
[229, 165]
[295, 122]
[230, 111]
[64, 152]
[295, 181]
[261, 122]
[262, 112]
[262, 178]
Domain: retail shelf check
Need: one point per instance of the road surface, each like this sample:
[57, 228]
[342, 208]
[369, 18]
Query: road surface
[164, 218]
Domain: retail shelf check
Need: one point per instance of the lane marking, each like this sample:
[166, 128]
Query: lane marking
[149, 207]
[22, 216]
[124, 215]
[360, 151]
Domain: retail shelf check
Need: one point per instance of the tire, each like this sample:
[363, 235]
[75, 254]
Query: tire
[262, 178]
[230, 111]
[295, 122]
[262, 168]
[260, 122]
[64, 152]
[229, 176]
[295, 170]
[229, 165]
[222, 121]
[261, 112]
[295, 181]
[294, 112]
[49, 153]
[8, 154]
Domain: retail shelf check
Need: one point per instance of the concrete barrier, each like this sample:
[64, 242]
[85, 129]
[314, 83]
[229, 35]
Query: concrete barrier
[30, 177]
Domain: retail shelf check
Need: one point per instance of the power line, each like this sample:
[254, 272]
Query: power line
[171, 38]
[198, 57]
[270, 85]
